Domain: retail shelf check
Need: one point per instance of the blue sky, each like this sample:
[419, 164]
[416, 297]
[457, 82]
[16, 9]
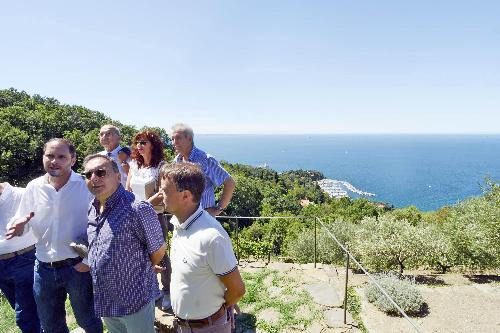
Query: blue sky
[263, 66]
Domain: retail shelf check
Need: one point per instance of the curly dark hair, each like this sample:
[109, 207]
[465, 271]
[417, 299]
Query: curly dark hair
[157, 154]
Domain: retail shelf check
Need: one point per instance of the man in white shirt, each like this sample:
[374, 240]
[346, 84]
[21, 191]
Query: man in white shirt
[56, 206]
[205, 283]
[109, 137]
[17, 258]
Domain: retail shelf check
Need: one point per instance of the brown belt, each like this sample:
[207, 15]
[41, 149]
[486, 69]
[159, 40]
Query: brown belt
[16, 253]
[199, 323]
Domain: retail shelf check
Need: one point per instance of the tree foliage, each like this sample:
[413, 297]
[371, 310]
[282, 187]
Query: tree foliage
[27, 122]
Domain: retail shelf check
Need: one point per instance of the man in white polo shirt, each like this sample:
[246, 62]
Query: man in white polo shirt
[109, 138]
[17, 259]
[205, 283]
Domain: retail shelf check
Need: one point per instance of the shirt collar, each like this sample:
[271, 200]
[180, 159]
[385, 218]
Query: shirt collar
[113, 198]
[189, 221]
[75, 177]
[114, 151]
[7, 191]
[193, 151]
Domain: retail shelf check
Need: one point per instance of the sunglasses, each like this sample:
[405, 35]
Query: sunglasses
[142, 142]
[99, 173]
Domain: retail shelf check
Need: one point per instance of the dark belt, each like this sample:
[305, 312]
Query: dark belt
[61, 263]
[16, 253]
[199, 323]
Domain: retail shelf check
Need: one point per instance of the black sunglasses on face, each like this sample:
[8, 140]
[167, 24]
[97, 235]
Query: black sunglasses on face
[99, 173]
[142, 142]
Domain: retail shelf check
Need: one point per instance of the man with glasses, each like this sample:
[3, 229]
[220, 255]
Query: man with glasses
[125, 245]
[54, 206]
[109, 137]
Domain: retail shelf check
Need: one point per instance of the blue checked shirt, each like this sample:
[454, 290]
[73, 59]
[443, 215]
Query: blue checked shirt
[120, 242]
[215, 174]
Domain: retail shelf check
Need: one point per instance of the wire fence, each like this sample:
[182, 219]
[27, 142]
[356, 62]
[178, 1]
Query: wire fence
[348, 254]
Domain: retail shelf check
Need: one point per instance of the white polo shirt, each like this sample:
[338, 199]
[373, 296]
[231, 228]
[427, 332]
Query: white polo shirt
[60, 216]
[201, 251]
[9, 202]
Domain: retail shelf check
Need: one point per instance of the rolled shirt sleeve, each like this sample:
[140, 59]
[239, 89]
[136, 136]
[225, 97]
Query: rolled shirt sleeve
[215, 172]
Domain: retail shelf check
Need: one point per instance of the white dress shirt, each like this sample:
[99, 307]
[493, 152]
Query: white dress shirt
[9, 202]
[60, 216]
[114, 155]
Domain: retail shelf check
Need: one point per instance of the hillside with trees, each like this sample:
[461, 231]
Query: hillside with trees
[463, 236]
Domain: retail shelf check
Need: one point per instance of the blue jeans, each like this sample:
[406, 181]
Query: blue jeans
[51, 287]
[140, 322]
[16, 282]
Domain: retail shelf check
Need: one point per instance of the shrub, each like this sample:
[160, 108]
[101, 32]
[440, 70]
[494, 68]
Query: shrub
[387, 243]
[403, 291]
[328, 252]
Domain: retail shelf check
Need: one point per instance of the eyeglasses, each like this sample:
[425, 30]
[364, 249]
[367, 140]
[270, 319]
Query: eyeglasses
[98, 172]
[142, 142]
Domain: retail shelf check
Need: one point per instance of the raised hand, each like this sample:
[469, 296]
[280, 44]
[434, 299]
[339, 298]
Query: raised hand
[17, 227]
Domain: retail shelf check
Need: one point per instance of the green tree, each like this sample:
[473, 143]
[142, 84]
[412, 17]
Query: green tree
[387, 243]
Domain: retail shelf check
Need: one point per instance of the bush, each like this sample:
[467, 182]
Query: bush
[403, 291]
[387, 243]
[328, 252]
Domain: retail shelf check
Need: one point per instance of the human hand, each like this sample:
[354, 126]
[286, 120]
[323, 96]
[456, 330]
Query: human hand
[156, 199]
[81, 267]
[214, 211]
[159, 269]
[17, 227]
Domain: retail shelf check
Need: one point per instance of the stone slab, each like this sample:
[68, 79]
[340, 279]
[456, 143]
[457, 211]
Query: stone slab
[335, 318]
[323, 294]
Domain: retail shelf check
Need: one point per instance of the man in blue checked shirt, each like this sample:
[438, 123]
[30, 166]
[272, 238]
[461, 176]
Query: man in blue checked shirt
[125, 245]
[215, 175]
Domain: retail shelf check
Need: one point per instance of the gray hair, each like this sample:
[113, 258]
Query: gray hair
[89, 158]
[112, 127]
[186, 129]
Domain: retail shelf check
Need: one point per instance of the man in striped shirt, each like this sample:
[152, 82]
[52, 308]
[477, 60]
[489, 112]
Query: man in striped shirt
[215, 175]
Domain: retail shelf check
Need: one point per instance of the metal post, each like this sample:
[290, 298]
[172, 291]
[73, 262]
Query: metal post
[315, 242]
[346, 279]
[237, 243]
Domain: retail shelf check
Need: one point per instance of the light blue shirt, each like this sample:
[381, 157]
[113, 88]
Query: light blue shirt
[215, 174]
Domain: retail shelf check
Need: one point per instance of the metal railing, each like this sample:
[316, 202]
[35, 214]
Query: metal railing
[348, 254]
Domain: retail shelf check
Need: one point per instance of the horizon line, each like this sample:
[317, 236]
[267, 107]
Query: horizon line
[355, 133]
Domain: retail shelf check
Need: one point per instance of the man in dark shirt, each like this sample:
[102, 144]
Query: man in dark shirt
[125, 243]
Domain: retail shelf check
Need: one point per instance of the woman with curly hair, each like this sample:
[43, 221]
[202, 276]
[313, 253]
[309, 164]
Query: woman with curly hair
[143, 180]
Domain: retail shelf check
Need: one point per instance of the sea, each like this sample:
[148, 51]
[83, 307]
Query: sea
[427, 171]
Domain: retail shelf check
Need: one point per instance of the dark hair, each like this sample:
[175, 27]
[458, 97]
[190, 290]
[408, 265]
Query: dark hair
[157, 144]
[114, 166]
[69, 144]
[185, 176]
[125, 150]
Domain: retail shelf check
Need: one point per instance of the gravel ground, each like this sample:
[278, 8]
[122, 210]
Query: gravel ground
[459, 304]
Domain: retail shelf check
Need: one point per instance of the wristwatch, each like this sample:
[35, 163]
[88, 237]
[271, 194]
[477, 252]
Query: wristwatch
[219, 207]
